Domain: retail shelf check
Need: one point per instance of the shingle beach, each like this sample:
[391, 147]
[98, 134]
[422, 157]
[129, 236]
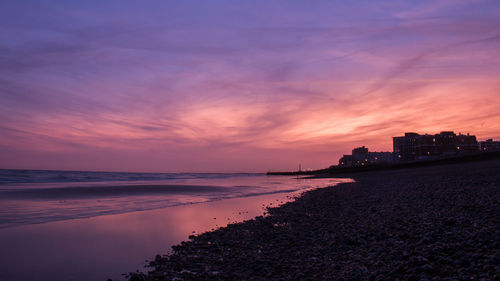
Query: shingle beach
[427, 223]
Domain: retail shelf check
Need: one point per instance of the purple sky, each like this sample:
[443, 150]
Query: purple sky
[238, 85]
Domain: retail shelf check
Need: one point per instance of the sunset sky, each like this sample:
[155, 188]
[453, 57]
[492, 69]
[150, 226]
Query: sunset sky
[228, 86]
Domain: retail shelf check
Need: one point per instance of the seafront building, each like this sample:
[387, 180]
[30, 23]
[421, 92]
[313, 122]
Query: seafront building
[361, 156]
[413, 146]
[404, 148]
[489, 145]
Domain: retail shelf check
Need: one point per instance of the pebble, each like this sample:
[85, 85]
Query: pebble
[428, 223]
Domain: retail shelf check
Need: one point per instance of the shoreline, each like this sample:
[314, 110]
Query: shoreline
[108, 198]
[333, 171]
[102, 247]
[439, 223]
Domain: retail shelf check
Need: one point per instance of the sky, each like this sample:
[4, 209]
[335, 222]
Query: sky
[239, 86]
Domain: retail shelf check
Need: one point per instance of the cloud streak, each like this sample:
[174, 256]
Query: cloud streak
[165, 87]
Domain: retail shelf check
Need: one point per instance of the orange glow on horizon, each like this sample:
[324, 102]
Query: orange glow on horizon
[296, 86]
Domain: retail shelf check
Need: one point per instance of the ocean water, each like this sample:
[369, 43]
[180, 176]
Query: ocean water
[80, 226]
[32, 196]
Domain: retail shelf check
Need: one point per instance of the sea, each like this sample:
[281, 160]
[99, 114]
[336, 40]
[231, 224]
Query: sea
[77, 225]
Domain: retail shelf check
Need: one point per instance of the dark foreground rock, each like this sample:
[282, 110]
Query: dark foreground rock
[432, 223]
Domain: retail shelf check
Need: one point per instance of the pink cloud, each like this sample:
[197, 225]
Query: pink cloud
[256, 96]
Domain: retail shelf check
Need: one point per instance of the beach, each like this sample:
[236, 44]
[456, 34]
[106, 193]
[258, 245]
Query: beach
[427, 223]
[250, 140]
[78, 226]
[102, 247]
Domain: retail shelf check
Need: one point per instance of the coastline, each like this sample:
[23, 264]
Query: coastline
[102, 247]
[105, 246]
[333, 171]
[423, 223]
[70, 200]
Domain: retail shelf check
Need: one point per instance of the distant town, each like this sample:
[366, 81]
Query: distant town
[411, 150]
[416, 147]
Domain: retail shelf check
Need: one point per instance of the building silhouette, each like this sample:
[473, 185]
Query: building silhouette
[405, 148]
[361, 156]
[489, 145]
[413, 146]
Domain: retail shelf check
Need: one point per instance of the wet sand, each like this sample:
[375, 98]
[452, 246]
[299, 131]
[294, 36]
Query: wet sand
[427, 223]
[42, 202]
[103, 247]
